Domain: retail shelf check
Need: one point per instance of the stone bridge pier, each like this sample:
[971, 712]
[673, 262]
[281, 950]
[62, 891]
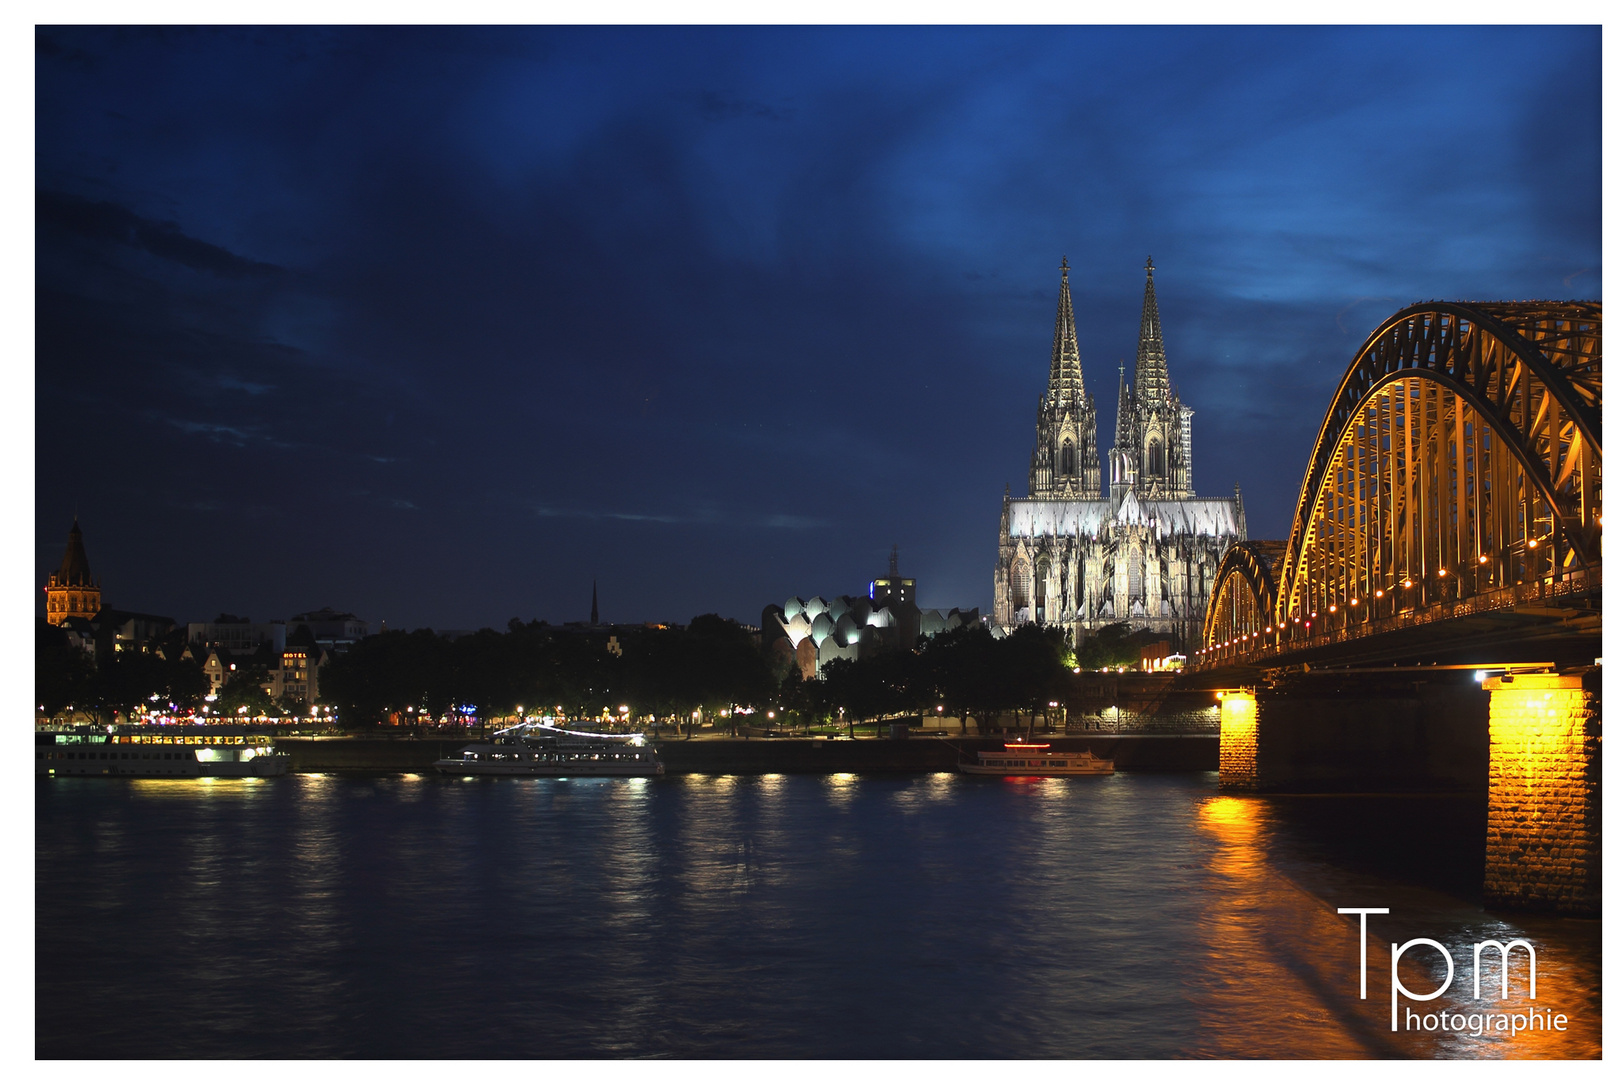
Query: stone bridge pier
[1543, 792]
[1529, 743]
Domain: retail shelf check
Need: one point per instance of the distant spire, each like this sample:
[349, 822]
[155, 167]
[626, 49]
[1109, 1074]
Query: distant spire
[594, 601]
[1152, 384]
[1065, 371]
[75, 563]
[895, 561]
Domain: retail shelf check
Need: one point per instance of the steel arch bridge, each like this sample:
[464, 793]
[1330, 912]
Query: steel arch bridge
[1456, 475]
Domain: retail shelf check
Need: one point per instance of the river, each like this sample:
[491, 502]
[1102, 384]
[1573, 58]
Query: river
[843, 916]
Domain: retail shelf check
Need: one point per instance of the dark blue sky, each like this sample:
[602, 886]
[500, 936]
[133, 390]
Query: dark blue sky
[436, 325]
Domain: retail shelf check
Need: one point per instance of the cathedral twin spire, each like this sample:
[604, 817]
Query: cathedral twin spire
[1151, 452]
[1065, 461]
[1152, 381]
[1064, 375]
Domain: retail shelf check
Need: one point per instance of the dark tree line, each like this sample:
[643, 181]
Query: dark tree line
[710, 665]
[963, 672]
[65, 678]
[1114, 645]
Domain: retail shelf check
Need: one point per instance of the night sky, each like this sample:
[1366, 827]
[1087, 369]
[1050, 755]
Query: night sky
[439, 325]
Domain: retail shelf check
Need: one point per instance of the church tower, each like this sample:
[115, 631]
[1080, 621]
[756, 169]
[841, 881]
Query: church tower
[71, 591]
[1161, 425]
[1064, 464]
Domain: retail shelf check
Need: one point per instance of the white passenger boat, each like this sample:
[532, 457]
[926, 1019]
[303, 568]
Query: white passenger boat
[1037, 759]
[535, 748]
[179, 750]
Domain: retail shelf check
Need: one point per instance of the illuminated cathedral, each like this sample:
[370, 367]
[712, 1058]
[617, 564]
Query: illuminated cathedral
[1144, 552]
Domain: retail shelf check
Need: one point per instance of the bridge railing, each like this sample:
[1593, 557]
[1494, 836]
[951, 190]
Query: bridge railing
[1573, 583]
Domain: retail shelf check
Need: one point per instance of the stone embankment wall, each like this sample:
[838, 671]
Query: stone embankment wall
[1357, 735]
[1543, 795]
[1138, 703]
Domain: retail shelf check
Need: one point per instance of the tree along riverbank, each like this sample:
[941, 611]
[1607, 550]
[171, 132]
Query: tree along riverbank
[1146, 753]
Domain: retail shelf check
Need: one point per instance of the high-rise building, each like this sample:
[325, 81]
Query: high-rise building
[1144, 553]
[71, 591]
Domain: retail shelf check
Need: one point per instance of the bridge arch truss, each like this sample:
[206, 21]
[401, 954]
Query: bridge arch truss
[1457, 470]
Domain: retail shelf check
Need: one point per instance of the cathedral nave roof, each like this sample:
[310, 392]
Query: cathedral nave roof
[1093, 517]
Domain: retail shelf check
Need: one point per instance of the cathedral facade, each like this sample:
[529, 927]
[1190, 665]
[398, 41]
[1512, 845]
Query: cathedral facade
[1145, 552]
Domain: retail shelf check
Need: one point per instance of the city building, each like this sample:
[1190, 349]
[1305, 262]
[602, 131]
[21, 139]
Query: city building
[73, 602]
[812, 632]
[217, 668]
[72, 591]
[237, 635]
[129, 631]
[1146, 551]
[294, 681]
[331, 629]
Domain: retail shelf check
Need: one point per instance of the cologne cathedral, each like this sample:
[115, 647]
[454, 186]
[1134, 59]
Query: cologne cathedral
[1144, 552]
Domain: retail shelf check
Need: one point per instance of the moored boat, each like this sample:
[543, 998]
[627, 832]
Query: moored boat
[155, 750]
[534, 748]
[1037, 759]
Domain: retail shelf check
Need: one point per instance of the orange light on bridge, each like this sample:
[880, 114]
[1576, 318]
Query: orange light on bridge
[1442, 572]
[1407, 584]
[1482, 559]
[1532, 543]
[1332, 609]
[1379, 593]
[1354, 601]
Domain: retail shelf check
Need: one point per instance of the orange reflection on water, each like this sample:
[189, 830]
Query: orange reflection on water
[1282, 977]
[1276, 957]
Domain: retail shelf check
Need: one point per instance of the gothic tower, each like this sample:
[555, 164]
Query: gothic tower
[71, 591]
[1065, 461]
[1161, 425]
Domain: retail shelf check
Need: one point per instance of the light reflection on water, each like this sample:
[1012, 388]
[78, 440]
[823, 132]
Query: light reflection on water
[774, 916]
[1284, 961]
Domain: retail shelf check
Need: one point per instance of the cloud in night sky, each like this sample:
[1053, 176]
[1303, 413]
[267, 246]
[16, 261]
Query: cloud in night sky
[439, 325]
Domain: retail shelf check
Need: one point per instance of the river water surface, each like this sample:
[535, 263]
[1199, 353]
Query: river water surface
[933, 916]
